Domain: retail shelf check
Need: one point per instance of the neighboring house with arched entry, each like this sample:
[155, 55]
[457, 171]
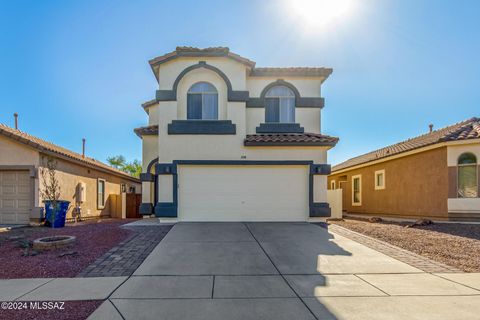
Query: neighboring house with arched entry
[435, 175]
[227, 141]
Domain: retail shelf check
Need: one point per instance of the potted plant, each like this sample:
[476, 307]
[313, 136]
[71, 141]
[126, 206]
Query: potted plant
[55, 209]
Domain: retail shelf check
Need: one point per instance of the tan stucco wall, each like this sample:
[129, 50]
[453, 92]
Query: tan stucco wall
[153, 113]
[149, 150]
[70, 175]
[235, 71]
[416, 185]
[14, 153]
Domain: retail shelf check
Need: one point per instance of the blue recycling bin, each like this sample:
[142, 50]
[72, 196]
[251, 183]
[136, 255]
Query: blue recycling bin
[60, 213]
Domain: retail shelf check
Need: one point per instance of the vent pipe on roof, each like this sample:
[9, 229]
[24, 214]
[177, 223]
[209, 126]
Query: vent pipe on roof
[83, 147]
[430, 126]
[15, 115]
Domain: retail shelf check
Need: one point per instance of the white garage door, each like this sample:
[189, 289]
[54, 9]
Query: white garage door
[242, 193]
[15, 196]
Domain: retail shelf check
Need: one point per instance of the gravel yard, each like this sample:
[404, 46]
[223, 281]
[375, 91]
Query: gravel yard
[454, 244]
[93, 239]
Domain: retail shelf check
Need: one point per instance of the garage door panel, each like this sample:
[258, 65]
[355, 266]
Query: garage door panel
[23, 204]
[8, 218]
[9, 176]
[243, 193]
[15, 196]
[8, 204]
[8, 190]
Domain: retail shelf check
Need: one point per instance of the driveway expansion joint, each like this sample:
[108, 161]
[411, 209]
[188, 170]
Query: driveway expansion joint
[283, 277]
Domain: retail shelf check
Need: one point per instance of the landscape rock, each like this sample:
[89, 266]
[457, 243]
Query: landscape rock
[420, 223]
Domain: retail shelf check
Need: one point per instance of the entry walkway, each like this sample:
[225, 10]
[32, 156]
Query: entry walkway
[264, 271]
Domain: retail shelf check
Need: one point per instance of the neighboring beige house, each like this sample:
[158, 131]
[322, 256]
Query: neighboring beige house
[22, 157]
[435, 175]
[227, 141]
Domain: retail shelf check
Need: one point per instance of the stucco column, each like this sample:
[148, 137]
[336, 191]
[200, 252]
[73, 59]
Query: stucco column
[146, 207]
[319, 206]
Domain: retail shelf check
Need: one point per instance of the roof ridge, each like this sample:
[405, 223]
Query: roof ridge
[448, 133]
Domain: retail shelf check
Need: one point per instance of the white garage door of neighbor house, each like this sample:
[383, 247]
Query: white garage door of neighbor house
[15, 196]
[242, 193]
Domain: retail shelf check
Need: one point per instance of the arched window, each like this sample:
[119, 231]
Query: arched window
[280, 105]
[202, 102]
[467, 176]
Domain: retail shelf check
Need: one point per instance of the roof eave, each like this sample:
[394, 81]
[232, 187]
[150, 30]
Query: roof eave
[290, 144]
[44, 150]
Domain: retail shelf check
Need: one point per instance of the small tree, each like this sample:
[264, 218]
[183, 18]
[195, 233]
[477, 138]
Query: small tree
[51, 186]
[117, 162]
[133, 168]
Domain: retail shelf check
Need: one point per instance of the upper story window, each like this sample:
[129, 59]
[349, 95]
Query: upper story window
[467, 176]
[202, 102]
[280, 105]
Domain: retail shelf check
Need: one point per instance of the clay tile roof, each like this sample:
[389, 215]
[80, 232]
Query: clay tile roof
[292, 72]
[290, 139]
[465, 130]
[200, 52]
[149, 103]
[146, 131]
[49, 147]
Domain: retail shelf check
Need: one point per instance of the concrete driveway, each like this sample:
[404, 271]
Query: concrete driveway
[281, 271]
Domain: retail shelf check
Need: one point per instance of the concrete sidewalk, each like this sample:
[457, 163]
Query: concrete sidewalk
[267, 271]
[59, 289]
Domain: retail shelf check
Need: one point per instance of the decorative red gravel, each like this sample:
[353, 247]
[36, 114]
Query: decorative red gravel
[454, 244]
[94, 238]
[73, 310]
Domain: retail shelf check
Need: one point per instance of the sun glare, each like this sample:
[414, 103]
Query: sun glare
[319, 13]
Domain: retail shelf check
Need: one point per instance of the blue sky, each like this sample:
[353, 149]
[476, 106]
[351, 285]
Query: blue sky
[75, 69]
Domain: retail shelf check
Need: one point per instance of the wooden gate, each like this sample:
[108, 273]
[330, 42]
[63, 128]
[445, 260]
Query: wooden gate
[133, 205]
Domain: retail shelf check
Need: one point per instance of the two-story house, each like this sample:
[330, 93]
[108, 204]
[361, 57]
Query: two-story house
[227, 141]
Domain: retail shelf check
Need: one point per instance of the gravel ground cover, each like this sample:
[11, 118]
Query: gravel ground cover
[73, 310]
[93, 239]
[454, 244]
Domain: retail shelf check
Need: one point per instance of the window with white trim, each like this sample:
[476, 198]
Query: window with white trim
[467, 182]
[202, 102]
[332, 185]
[380, 180]
[357, 190]
[101, 199]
